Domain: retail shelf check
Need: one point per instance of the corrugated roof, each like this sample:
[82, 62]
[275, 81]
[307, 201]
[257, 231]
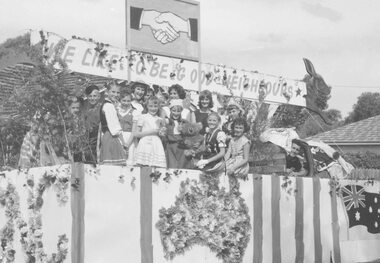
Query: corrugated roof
[361, 132]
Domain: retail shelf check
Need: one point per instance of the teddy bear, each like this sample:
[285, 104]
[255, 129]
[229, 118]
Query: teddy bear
[192, 142]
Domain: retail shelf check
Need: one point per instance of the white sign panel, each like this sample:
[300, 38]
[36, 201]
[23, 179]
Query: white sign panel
[107, 61]
[169, 27]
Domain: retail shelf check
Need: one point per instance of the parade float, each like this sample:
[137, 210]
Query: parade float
[79, 212]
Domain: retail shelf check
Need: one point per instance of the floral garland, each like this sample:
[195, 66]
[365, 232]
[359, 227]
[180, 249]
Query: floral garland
[205, 215]
[335, 186]
[11, 201]
[287, 186]
[31, 240]
[56, 53]
[31, 232]
[156, 175]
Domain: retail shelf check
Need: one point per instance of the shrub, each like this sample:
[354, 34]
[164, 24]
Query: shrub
[364, 160]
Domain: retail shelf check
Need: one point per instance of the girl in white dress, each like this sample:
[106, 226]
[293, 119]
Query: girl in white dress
[150, 126]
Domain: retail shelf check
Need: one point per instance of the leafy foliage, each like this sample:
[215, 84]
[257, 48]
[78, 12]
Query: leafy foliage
[367, 160]
[204, 214]
[41, 99]
[368, 105]
[19, 44]
[288, 116]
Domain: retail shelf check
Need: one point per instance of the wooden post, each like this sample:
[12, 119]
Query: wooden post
[77, 211]
[335, 225]
[146, 216]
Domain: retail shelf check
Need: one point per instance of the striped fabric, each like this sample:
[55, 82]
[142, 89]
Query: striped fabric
[29, 152]
[288, 211]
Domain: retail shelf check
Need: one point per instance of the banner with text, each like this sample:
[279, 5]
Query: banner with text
[107, 61]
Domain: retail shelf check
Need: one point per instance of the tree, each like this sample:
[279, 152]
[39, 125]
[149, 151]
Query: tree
[40, 95]
[368, 105]
[334, 115]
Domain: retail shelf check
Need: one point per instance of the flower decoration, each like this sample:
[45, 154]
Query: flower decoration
[155, 175]
[31, 231]
[177, 172]
[32, 234]
[167, 177]
[9, 199]
[205, 215]
[58, 51]
[335, 185]
[101, 51]
[288, 186]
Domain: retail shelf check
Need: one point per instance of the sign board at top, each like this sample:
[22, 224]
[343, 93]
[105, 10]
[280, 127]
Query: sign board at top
[164, 27]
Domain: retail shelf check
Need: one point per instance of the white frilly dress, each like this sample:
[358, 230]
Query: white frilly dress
[150, 150]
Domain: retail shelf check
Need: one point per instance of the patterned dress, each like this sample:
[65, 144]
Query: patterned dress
[214, 140]
[150, 151]
[237, 154]
[227, 128]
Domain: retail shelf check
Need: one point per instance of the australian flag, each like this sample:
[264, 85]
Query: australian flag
[363, 208]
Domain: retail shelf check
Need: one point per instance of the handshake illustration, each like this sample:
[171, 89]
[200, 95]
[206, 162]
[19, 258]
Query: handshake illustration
[166, 26]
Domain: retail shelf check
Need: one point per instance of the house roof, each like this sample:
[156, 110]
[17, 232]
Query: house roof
[14, 76]
[364, 132]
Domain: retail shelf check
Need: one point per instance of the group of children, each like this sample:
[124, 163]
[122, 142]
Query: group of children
[134, 126]
[141, 130]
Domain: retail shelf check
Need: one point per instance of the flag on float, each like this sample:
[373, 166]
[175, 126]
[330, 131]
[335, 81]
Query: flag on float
[359, 220]
[362, 208]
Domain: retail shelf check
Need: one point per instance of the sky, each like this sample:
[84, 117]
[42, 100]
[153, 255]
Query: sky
[340, 37]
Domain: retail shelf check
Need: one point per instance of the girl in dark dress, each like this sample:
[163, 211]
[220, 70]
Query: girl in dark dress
[205, 105]
[175, 152]
[215, 142]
